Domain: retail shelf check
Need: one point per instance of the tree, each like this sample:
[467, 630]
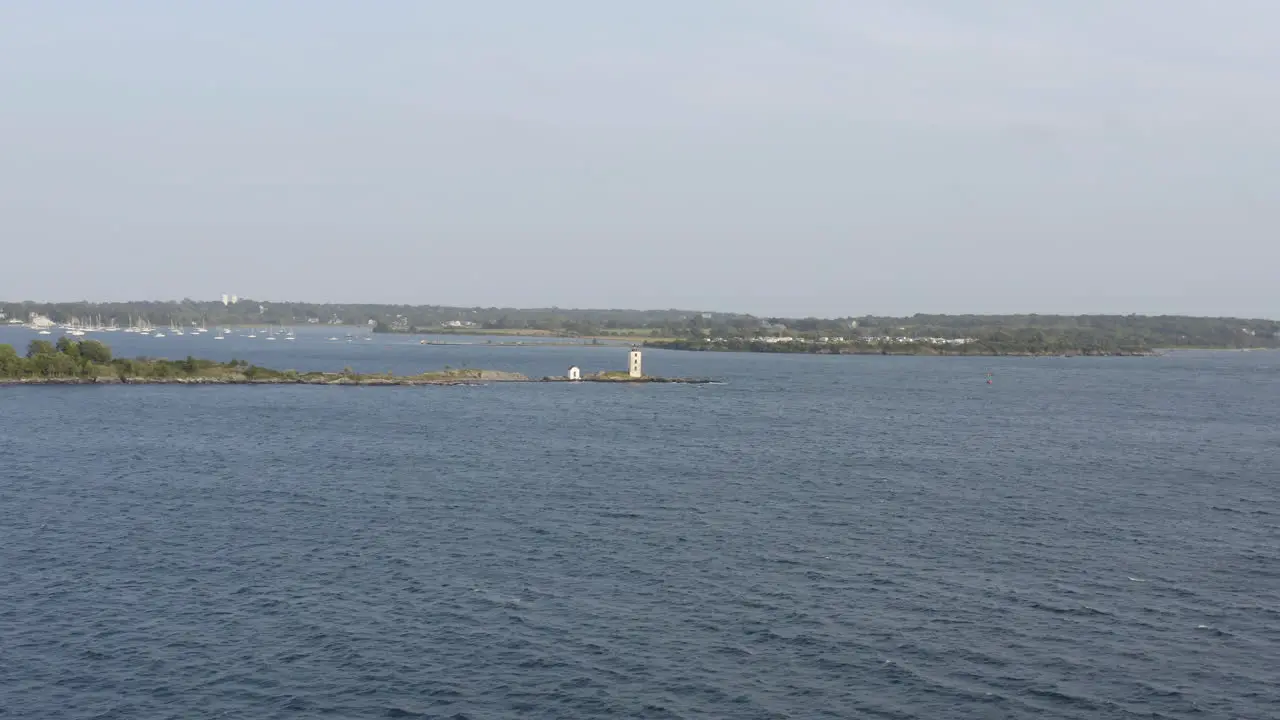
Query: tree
[95, 351]
[124, 369]
[68, 347]
[55, 365]
[40, 347]
[10, 363]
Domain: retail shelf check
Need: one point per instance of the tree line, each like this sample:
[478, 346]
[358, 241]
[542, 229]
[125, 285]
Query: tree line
[69, 358]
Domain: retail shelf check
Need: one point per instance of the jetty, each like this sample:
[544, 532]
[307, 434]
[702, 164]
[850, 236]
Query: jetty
[462, 377]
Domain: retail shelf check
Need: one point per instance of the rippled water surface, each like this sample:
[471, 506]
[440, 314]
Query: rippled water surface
[817, 537]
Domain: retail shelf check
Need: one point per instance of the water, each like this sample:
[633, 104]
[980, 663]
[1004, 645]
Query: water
[817, 537]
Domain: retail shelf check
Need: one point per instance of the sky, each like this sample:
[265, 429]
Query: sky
[807, 157]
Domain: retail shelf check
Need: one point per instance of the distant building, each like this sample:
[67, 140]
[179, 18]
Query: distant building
[575, 373]
[634, 369]
[226, 299]
[234, 299]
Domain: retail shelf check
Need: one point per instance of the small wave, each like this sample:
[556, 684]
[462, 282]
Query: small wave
[658, 711]
[1216, 632]
[443, 693]
[1065, 699]
[1161, 691]
[1082, 610]
[1134, 579]
[295, 704]
[785, 561]
[396, 712]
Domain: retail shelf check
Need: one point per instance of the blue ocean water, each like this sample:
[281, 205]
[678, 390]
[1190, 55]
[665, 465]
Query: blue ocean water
[816, 537]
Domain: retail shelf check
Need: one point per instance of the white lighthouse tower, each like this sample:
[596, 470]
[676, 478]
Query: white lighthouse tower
[634, 366]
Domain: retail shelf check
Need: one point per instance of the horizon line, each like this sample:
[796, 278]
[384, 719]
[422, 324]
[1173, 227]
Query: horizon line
[218, 301]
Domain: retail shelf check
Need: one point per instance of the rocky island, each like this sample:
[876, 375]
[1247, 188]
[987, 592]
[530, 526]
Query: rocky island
[69, 362]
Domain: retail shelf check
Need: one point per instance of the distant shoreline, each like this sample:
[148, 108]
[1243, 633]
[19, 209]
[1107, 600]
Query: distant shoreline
[903, 351]
[1027, 334]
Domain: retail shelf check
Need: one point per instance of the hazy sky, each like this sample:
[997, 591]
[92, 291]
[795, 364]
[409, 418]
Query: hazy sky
[801, 157]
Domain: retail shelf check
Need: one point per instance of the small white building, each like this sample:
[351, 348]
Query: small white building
[575, 373]
[634, 367]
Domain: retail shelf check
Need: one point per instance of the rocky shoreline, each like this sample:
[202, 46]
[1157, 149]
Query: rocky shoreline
[347, 381]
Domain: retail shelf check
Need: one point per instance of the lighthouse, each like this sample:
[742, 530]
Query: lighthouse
[634, 366]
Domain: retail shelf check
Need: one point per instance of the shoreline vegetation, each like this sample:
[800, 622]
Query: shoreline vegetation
[89, 362]
[919, 334]
[974, 349]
